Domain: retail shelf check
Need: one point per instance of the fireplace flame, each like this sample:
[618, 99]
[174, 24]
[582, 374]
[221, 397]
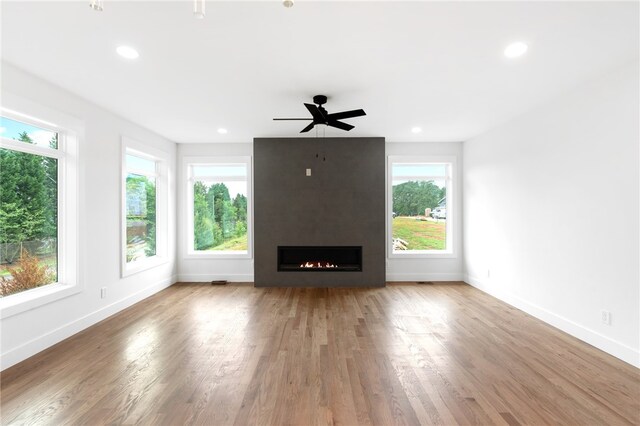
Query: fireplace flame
[318, 265]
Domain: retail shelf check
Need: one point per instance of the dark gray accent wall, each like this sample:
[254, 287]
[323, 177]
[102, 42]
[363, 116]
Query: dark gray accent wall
[342, 203]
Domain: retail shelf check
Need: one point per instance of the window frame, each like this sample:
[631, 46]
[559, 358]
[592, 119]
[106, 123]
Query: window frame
[133, 147]
[188, 163]
[450, 184]
[69, 131]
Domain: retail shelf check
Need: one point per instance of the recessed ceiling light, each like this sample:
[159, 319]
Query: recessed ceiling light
[416, 130]
[222, 131]
[515, 49]
[127, 52]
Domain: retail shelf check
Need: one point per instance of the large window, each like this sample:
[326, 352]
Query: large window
[141, 207]
[29, 187]
[420, 206]
[144, 205]
[219, 206]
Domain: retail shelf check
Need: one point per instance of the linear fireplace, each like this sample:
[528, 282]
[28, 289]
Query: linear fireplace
[319, 259]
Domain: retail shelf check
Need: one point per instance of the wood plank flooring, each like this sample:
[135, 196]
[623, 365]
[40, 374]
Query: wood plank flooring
[238, 355]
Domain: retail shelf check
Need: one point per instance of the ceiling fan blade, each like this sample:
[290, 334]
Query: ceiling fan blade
[306, 129]
[340, 125]
[284, 119]
[315, 113]
[346, 114]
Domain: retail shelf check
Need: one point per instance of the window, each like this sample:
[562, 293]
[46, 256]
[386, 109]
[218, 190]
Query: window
[420, 206]
[144, 208]
[29, 180]
[141, 208]
[219, 206]
[38, 205]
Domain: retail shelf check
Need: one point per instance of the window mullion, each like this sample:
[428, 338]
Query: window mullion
[217, 178]
[140, 172]
[419, 178]
[28, 148]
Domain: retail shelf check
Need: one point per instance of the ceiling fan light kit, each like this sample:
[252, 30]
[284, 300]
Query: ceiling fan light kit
[198, 9]
[97, 5]
[320, 116]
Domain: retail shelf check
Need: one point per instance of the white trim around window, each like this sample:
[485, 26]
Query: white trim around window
[133, 147]
[451, 191]
[70, 131]
[187, 165]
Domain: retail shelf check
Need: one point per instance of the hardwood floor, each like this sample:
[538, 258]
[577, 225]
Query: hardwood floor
[406, 354]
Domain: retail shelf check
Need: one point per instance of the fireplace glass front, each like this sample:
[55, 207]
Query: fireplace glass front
[319, 258]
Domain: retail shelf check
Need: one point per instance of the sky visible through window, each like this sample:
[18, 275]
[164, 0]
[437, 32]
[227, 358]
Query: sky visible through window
[400, 170]
[11, 129]
[411, 172]
[216, 173]
[220, 170]
[235, 188]
[141, 164]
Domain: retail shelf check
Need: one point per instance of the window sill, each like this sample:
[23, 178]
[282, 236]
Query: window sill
[218, 255]
[143, 265]
[423, 255]
[34, 298]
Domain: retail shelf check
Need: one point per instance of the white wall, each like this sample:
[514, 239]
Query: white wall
[29, 332]
[201, 270]
[551, 212]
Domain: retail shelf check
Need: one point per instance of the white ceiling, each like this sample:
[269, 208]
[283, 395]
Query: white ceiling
[436, 65]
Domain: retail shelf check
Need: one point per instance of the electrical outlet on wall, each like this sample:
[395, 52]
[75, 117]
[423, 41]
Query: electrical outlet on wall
[605, 317]
[103, 292]
[488, 273]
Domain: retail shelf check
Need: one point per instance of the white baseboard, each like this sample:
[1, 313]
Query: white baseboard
[425, 277]
[202, 278]
[49, 339]
[604, 343]
[196, 278]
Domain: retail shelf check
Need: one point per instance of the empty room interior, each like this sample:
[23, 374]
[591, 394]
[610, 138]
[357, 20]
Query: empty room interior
[319, 212]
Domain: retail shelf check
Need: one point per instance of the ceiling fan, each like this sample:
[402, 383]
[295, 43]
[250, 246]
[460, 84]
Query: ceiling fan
[319, 115]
